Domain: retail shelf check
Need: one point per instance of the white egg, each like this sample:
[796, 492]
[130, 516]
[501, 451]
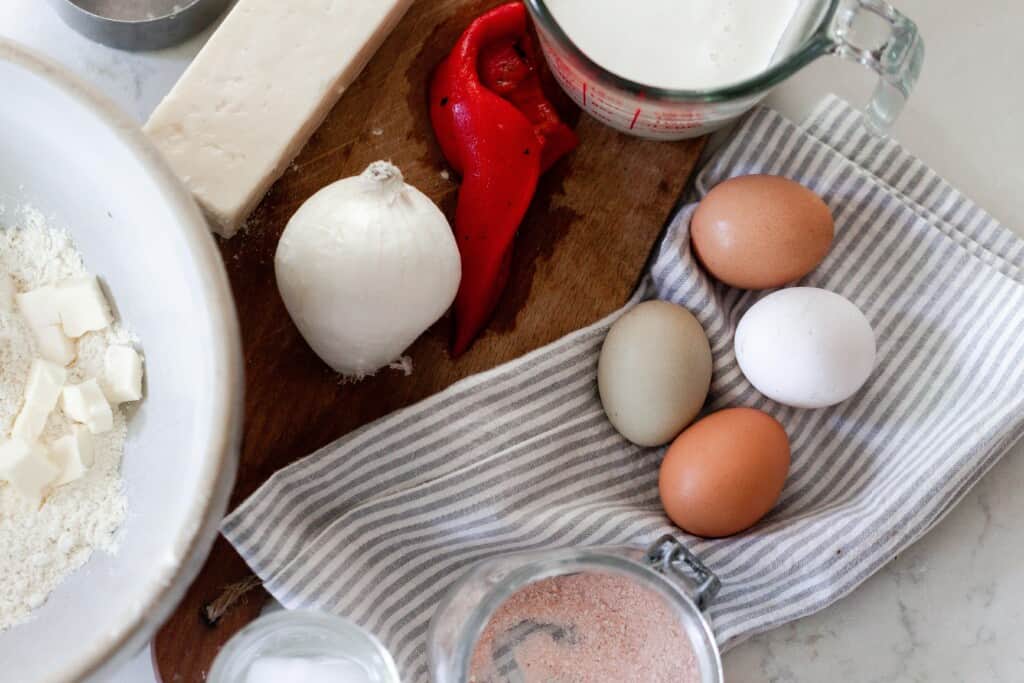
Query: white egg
[805, 347]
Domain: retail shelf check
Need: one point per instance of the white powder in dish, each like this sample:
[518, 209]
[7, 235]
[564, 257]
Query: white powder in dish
[39, 547]
[308, 670]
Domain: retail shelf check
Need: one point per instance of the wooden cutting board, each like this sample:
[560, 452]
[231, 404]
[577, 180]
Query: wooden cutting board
[578, 256]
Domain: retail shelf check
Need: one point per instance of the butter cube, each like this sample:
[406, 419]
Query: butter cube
[75, 306]
[53, 345]
[82, 306]
[7, 293]
[25, 466]
[122, 374]
[45, 381]
[41, 310]
[41, 306]
[74, 454]
[86, 403]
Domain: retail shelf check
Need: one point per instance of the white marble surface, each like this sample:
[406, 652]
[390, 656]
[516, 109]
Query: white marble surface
[951, 608]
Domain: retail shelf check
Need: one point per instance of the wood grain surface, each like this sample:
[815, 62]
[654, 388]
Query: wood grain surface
[578, 256]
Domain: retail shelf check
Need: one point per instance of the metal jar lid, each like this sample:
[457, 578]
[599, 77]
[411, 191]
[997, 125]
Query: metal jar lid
[139, 24]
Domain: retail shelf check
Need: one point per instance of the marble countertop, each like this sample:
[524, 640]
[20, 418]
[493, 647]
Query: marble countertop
[950, 608]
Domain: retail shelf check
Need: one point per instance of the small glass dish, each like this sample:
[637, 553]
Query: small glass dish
[301, 634]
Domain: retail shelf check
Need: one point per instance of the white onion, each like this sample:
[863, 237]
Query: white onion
[365, 266]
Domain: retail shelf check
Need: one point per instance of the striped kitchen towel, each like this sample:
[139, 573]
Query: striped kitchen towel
[378, 525]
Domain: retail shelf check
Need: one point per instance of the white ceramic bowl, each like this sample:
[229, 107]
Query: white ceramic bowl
[73, 156]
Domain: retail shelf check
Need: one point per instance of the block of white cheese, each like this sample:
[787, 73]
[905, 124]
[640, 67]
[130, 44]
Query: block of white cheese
[82, 306]
[122, 374]
[45, 382]
[73, 454]
[26, 467]
[258, 90]
[86, 403]
[41, 310]
[7, 292]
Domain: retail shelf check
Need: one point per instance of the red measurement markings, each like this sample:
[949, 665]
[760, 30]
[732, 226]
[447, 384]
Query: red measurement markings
[636, 116]
[584, 95]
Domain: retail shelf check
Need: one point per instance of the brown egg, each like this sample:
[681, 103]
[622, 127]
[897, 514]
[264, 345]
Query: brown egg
[761, 231]
[725, 472]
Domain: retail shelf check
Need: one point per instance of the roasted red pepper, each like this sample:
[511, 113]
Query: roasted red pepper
[498, 130]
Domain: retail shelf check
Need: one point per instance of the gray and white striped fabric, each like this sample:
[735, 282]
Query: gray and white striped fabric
[377, 525]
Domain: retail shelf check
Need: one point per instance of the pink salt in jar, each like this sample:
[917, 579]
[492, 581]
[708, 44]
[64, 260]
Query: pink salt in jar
[589, 615]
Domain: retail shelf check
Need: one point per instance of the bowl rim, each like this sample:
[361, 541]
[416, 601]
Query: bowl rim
[217, 475]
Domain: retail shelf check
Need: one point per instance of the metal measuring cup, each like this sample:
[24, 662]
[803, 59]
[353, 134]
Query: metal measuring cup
[139, 24]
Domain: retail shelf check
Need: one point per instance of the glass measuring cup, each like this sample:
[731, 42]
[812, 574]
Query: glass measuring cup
[821, 27]
[666, 568]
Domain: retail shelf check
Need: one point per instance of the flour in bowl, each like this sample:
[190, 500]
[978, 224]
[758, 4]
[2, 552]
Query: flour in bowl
[41, 544]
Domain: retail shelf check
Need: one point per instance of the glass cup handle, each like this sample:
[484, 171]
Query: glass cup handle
[673, 559]
[897, 61]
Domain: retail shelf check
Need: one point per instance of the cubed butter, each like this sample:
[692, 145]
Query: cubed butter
[30, 423]
[82, 306]
[45, 381]
[7, 292]
[86, 403]
[73, 454]
[53, 345]
[27, 469]
[41, 310]
[122, 374]
[40, 307]
[258, 90]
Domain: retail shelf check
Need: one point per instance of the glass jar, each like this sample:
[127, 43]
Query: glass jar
[823, 27]
[303, 635]
[666, 568]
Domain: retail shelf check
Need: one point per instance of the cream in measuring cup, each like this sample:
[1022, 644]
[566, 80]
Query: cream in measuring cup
[677, 44]
[675, 69]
